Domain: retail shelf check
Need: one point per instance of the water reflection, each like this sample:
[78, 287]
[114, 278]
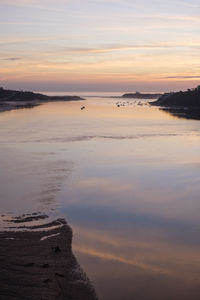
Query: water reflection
[127, 251]
[127, 181]
[185, 113]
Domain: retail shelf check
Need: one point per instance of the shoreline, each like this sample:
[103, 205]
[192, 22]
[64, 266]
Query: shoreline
[38, 263]
[14, 105]
[11, 99]
[8, 106]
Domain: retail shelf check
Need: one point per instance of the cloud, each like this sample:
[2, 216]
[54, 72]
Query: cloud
[11, 40]
[33, 4]
[11, 58]
[111, 48]
[187, 3]
[183, 77]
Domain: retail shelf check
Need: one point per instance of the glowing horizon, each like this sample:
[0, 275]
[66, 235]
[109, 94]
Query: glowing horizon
[98, 45]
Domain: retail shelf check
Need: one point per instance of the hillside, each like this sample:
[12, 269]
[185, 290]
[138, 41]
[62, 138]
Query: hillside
[12, 95]
[189, 98]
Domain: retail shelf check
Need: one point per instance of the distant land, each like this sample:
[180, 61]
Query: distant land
[11, 99]
[138, 95]
[189, 98]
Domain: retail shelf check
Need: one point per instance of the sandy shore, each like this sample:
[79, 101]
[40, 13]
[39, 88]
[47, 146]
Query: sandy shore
[38, 264]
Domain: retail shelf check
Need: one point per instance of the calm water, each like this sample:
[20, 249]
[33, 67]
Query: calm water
[126, 179]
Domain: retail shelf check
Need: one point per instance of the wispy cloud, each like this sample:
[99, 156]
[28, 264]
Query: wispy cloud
[11, 58]
[187, 3]
[183, 77]
[13, 40]
[111, 48]
[33, 4]
[4, 41]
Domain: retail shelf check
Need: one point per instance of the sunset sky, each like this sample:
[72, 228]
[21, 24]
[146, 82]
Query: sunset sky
[100, 45]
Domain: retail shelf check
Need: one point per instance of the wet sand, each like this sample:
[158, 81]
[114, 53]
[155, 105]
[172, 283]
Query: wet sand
[37, 263]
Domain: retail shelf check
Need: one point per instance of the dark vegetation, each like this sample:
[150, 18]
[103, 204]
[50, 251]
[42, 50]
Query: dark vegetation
[189, 98]
[12, 95]
[181, 104]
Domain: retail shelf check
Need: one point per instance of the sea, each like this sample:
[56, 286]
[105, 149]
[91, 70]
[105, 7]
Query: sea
[126, 177]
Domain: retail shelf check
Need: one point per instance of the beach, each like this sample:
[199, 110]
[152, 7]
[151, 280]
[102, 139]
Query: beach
[37, 262]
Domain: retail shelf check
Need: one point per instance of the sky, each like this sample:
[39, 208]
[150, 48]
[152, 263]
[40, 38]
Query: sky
[100, 45]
